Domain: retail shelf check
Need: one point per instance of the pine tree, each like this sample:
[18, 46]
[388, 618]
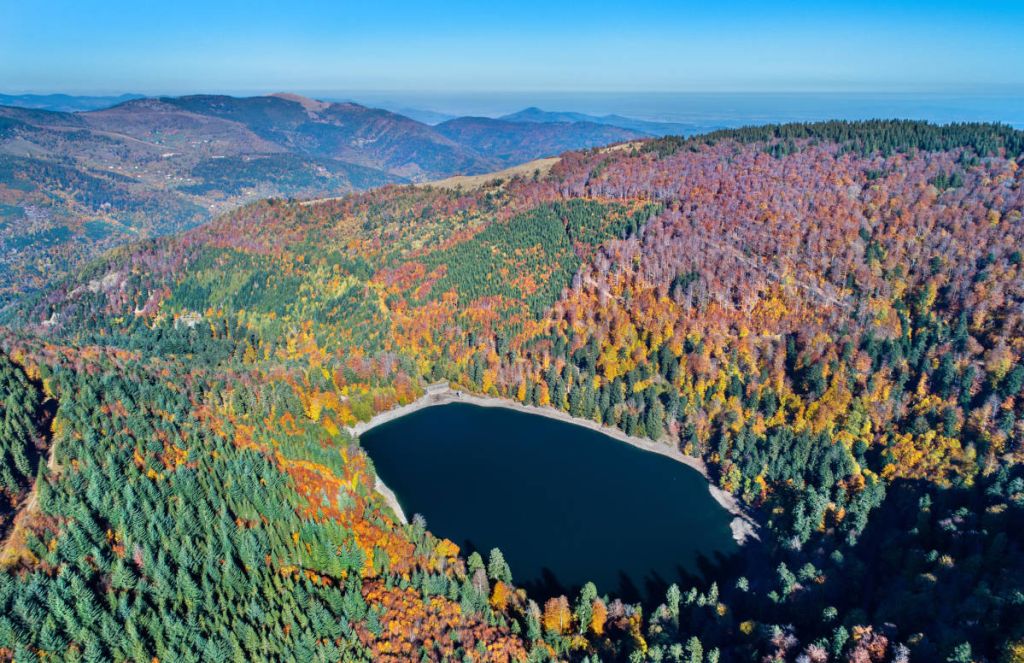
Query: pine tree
[497, 567]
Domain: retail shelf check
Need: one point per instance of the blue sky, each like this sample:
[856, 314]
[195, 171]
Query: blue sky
[255, 46]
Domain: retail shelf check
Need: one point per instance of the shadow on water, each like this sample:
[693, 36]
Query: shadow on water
[546, 586]
[654, 584]
[565, 504]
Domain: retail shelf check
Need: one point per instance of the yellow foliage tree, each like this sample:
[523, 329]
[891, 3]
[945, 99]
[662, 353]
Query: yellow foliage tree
[500, 596]
[1014, 652]
[545, 395]
[557, 616]
[599, 616]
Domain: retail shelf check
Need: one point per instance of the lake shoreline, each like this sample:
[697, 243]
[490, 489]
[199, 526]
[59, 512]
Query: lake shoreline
[391, 499]
[743, 525]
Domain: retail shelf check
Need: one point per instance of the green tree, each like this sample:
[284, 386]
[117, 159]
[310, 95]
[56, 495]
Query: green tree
[497, 567]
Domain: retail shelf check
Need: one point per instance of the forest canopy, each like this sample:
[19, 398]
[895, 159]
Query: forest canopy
[830, 316]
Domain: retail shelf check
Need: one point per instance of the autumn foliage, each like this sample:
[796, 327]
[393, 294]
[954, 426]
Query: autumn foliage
[830, 316]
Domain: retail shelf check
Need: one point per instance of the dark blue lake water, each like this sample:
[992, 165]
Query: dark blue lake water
[565, 504]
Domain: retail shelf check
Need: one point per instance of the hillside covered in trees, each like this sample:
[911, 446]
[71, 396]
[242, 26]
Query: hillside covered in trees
[829, 315]
[75, 184]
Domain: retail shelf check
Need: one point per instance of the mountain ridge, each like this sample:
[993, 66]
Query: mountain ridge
[200, 155]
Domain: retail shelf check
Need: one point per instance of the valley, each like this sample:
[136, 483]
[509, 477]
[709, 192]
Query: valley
[534, 332]
[73, 184]
[827, 316]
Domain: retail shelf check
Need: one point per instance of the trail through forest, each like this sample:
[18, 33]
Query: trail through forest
[12, 543]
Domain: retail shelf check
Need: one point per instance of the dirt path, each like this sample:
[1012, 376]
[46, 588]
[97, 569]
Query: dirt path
[743, 525]
[12, 544]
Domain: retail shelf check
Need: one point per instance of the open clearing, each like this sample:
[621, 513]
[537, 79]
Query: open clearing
[473, 182]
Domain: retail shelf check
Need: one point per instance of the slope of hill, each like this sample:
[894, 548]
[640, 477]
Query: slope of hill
[831, 316]
[367, 136]
[74, 184]
[647, 127]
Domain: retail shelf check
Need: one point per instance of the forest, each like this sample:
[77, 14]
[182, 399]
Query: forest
[830, 316]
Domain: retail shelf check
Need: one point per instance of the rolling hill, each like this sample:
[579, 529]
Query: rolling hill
[75, 184]
[829, 316]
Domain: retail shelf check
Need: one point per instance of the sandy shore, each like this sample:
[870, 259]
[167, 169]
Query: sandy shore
[391, 499]
[743, 526]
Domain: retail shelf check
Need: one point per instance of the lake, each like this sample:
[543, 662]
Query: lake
[565, 504]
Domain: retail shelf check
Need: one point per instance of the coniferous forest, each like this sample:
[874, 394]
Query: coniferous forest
[830, 316]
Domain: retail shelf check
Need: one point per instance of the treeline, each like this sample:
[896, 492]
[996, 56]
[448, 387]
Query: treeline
[864, 137]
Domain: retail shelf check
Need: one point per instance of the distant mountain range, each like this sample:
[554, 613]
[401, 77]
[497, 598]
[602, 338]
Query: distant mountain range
[64, 102]
[537, 115]
[75, 183]
[73, 103]
[515, 142]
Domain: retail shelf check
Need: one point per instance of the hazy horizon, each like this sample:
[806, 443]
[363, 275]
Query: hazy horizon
[702, 109]
[732, 63]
